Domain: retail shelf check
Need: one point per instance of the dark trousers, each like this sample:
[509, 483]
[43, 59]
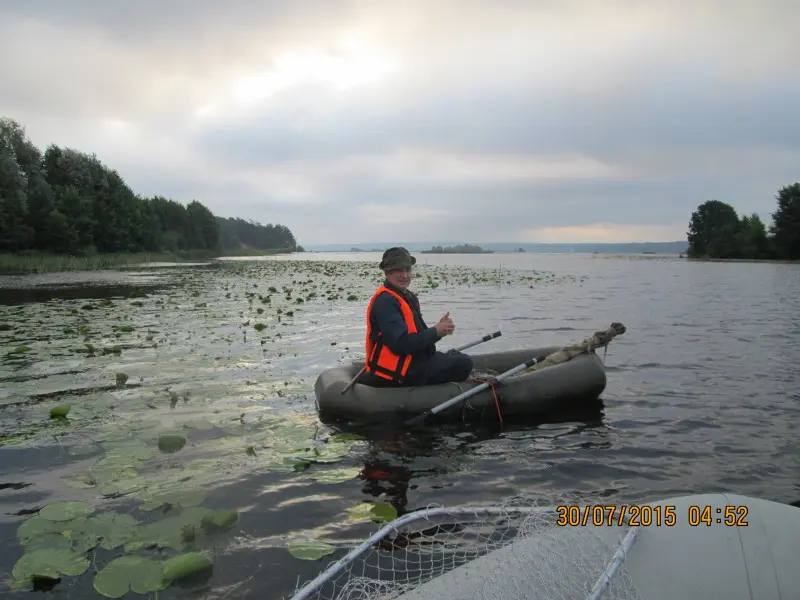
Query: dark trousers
[441, 367]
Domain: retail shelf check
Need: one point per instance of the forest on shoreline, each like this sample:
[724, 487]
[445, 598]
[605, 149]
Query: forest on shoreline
[717, 232]
[67, 202]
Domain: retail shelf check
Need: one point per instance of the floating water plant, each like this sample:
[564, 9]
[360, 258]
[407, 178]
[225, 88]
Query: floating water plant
[49, 563]
[171, 442]
[138, 574]
[184, 565]
[60, 412]
[309, 549]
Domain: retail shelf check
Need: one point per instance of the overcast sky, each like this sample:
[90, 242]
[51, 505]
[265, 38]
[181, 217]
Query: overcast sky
[422, 120]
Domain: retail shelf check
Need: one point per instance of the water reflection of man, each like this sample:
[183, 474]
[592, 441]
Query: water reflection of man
[382, 478]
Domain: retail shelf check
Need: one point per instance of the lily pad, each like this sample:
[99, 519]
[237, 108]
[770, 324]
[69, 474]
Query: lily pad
[138, 574]
[123, 486]
[336, 475]
[65, 511]
[383, 512]
[81, 481]
[219, 519]
[309, 549]
[170, 532]
[132, 449]
[110, 529]
[326, 453]
[201, 424]
[59, 412]
[181, 566]
[38, 526]
[379, 512]
[81, 450]
[49, 563]
[341, 438]
[48, 540]
[190, 497]
[171, 442]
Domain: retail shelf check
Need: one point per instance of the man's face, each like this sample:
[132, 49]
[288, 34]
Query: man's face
[400, 278]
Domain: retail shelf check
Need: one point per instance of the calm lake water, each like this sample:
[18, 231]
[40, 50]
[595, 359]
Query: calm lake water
[702, 395]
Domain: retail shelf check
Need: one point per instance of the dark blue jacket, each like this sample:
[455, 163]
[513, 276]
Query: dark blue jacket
[387, 319]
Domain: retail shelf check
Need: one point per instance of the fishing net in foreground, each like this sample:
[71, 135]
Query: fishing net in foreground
[485, 553]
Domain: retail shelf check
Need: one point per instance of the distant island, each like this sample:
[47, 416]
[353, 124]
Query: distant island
[459, 249]
[672, 248]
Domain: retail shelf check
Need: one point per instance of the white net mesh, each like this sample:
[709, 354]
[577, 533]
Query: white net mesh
[485, 553]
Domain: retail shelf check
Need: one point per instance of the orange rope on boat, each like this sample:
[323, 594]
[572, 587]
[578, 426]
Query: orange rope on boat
[492, 385]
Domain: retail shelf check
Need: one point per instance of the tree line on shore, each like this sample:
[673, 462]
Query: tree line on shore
[65, 201]
[716, 231]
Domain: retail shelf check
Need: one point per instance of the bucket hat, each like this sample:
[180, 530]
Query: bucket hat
[397, 258]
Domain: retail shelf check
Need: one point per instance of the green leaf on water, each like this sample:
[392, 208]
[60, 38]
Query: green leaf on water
[309, 549]
[123, 486]
[60, 412]
[336, 475]
[380, 512]
[169, 532]
[171, 442]
[49, 563]
[340, 438]
[81, 481]
[81, 450]
[178, 567]
[38, 526]
[110, 529]
[201, 424]
[219, 519]
[65, 511]
[136, 573]
[190, 497]
[48, 540]
[383, 512]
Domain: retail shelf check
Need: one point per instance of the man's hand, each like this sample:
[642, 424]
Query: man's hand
[445, 325]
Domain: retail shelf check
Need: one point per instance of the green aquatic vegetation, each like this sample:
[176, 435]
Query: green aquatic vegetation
[138, 574]
[37, 526]
[379, 512]
[65, 511]
[184, 565]
[168, 532]
[108, 529]
[309, 549]
[48, 540]
[171, 442]
[49, 563]
[83, 450]
[60, 412]
[219, 519]
[170, 494]
[336, 475]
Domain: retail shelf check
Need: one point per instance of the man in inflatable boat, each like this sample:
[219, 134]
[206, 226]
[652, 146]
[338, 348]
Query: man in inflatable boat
[401, 348]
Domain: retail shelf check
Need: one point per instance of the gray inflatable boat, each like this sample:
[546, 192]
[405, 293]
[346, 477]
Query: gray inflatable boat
[530, 394]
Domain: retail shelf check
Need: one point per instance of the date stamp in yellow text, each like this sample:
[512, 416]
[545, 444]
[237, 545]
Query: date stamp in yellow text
[644, 515]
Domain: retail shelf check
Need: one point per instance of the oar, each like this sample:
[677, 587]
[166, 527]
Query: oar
[421, 418]
[486, 338]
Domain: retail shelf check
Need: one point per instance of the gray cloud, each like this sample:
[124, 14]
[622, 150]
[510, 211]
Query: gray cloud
[491, 121]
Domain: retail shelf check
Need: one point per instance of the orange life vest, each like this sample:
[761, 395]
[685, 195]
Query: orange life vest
[380, 360]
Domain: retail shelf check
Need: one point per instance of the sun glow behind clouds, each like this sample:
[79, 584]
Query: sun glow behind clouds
[352, 66]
